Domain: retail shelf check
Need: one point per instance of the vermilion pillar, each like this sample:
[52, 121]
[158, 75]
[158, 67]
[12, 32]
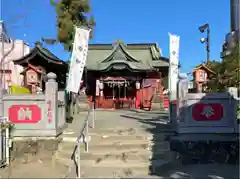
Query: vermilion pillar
[138, 98]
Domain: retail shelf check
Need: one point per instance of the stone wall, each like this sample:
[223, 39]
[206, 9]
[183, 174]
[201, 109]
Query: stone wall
[26, 150]
[37, 114]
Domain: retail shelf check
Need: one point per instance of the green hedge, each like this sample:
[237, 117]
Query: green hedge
[19, 90]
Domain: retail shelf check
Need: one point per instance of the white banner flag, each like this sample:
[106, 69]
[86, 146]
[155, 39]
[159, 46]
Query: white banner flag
[173, 66]
[78, 59]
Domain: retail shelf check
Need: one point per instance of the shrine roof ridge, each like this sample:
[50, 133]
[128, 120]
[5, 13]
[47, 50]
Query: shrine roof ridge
[203, 66]
[43, 52]
[135, 56]
[156, 51]
[109, 46]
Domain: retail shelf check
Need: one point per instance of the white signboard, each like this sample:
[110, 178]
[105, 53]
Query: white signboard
[173, 66]
[78, 59]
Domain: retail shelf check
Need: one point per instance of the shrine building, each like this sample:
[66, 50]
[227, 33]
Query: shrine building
[201, 75]
[37, 64]
[125, 75]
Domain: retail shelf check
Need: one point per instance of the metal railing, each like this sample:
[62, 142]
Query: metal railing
[83, 138]
[4, 142]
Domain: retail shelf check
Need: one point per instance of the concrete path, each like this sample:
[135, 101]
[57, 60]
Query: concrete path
[118, 120]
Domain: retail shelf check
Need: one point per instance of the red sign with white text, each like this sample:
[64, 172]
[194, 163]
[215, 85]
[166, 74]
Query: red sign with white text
[24, 114]
[207, 112]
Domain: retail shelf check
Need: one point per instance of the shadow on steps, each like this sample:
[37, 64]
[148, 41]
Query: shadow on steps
[173, 167]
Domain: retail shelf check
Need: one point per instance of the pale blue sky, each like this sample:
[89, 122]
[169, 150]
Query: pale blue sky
[132, 21]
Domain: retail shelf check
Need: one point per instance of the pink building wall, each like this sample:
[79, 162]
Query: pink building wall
[14, 50]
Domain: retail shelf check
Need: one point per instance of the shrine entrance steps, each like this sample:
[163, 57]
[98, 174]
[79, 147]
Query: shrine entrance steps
[123, 144]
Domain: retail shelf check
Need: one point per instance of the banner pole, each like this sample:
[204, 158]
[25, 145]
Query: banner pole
[173, 76]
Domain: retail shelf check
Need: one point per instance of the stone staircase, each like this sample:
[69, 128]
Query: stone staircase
[82, 102]
[118, 153]
[83, 98]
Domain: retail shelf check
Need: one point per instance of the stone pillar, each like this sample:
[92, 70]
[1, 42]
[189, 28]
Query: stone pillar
[51, 98]
[182, 90]
[234, 93]
[61, 109]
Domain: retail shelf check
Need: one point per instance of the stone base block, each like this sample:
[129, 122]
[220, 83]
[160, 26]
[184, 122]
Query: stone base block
[27, 150]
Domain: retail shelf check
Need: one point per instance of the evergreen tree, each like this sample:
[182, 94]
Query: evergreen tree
[71, 13]
[227, 72]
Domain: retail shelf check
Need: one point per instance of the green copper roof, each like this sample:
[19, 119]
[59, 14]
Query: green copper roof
[136, 57]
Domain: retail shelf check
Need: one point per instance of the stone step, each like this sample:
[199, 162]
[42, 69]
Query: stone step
[71, 137]
[82, 97]
[82, 106]
[119, 141]
[120, 147]
[120, 164]
[106, 139]
[115, 136]
[131, 155]
[133, 131]
[109, 163]
[112, 155]
[114, 172]
[157, 100]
